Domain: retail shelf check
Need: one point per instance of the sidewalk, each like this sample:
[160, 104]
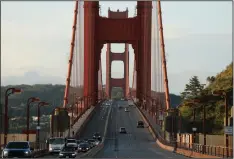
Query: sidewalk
[80, 122]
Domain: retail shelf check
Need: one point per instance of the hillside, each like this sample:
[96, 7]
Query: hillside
[223, 80]
[214, 104]
[50, 93]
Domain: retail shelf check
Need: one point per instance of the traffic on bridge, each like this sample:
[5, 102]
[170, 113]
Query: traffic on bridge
[99, 116]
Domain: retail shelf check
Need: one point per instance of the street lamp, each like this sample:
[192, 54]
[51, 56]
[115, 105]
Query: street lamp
[8, 92]
[30, 100]
[38, 120]
[225, 95]
[191, 104]
[194, 129]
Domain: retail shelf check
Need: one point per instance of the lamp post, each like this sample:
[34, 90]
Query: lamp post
[180, 122]
[194, 129]
[30, 100]
[77, 103]
[8, 92]
[225, 96]
[38, 120]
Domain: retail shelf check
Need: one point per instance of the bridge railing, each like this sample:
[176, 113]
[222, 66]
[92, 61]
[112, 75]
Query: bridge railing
[218, 151]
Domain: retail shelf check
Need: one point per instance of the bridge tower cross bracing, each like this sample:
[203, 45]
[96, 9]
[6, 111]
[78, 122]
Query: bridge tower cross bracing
[111, 56]
[101, 30]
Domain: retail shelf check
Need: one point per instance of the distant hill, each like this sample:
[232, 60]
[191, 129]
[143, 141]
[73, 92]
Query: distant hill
[49, 93]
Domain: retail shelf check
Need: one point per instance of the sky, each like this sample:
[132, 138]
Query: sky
[35, 40]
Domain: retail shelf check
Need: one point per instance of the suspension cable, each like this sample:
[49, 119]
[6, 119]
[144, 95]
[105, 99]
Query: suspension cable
[65, 100]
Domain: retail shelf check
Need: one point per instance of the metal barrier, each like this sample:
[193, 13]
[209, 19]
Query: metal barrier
[218, 151]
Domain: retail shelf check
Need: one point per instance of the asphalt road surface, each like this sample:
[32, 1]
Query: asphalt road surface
[96, 124]
[137, 143]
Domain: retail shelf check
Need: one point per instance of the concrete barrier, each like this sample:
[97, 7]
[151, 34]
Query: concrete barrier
[181, 151]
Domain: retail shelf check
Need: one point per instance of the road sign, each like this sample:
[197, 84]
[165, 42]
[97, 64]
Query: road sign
[228, 130]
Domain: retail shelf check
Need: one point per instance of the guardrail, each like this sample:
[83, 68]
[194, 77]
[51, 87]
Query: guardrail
[217, 151]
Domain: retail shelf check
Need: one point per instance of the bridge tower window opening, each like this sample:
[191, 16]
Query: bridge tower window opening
[117, 69]
[117, 48]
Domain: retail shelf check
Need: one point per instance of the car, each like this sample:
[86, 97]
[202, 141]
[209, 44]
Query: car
[56, 144]
[79, 142]
[126, 110]
[97, 136]
[120, 107]
[72, 143]
[122, 130]
[97, 142]
[85, 140]
[17, 149]
[83, 147]
[140, 124]
[68, 151]
[92, 142]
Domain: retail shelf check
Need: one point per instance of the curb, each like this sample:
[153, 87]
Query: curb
[180, 151]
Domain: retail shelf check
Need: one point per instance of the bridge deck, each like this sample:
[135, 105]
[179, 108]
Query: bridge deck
[137, 143]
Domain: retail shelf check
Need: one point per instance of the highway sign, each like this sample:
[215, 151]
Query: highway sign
[228, 130]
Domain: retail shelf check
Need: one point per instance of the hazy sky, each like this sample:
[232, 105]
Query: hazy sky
[36, 40]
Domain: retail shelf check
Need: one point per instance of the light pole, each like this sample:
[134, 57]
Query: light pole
[30, 100]
[180, 122]
[194, 129]
[225, 95]
[8, 92]
[38, 120]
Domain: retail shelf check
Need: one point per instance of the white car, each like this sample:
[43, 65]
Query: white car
[126, 110]
[72, 142]
[56, 144]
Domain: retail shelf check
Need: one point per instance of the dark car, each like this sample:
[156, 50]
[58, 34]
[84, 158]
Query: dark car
[122, 130]
[83, 147]
[92, 142]
[79, 142]
[140, 124]
[68, 151]
[17, 150]
[97, 136]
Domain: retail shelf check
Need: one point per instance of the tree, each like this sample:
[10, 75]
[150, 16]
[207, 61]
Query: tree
[210, 79]
[192, 89]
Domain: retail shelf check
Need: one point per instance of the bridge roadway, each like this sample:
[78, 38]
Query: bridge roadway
[137, 143]
[96, 124]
